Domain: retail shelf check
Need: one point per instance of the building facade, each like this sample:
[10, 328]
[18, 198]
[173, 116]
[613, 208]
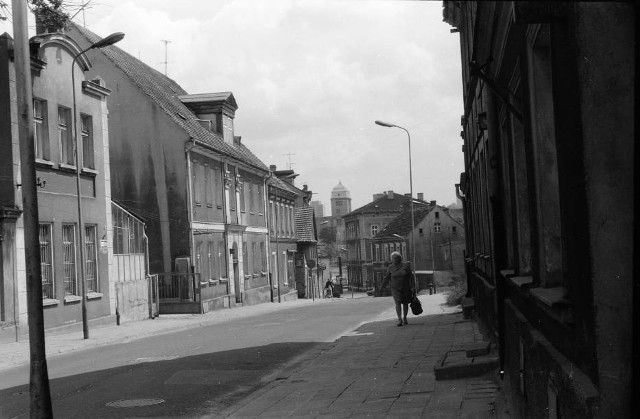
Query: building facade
[362, 225]
[439, 244]
[548, 193]
[180, 167]
[62, 231]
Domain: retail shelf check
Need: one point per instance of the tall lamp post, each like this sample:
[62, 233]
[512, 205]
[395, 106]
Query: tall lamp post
[109, 40]
[413, 247]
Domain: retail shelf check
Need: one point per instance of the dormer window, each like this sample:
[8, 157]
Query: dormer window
[227, 129]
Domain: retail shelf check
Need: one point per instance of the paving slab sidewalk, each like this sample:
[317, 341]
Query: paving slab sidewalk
[379, 371]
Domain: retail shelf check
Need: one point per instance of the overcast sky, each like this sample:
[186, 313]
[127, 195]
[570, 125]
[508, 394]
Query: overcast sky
[310, 77]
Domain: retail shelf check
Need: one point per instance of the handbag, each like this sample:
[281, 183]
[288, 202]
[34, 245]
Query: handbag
[416, 305]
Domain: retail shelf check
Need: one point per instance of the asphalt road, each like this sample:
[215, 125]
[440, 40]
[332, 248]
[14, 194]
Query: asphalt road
[190, 372]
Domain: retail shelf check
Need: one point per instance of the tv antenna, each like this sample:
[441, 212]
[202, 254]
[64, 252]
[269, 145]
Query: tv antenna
[166, 61]
[289, 162]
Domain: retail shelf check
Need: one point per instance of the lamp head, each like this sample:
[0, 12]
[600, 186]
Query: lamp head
[384, 124]
[109, 40]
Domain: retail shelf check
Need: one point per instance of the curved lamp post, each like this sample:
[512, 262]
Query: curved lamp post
[109, 40]
[413, 247]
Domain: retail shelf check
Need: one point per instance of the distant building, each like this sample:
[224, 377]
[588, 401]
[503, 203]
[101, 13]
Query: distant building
[363, 224]
[318, 209]
[292, 236]
[439, 244]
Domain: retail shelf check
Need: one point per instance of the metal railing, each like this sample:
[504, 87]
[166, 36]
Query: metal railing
[179, 286]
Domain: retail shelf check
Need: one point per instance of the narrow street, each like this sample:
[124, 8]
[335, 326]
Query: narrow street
[189, 370]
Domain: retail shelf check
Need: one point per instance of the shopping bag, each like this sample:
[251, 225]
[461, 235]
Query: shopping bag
[416, 306]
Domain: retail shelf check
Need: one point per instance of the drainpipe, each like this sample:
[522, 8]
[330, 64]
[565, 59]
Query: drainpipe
[188, 148]
[466, 225]
[268, 219]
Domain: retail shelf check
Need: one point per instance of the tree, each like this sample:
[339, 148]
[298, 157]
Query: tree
[328, 235]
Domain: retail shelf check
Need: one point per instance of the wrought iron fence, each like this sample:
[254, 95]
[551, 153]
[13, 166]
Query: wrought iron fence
[179, 286]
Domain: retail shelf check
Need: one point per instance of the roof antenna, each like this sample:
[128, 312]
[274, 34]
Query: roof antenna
[290, 163]
[166, 41]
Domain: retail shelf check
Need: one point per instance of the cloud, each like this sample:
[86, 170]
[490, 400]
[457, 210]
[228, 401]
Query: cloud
[310, 77]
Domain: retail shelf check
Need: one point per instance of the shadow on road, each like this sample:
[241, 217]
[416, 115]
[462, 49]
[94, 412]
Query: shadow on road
[189, 386]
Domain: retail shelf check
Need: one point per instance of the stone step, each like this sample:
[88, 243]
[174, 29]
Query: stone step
[456, 364]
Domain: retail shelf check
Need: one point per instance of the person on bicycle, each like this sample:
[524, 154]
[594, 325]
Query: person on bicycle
[328, 289]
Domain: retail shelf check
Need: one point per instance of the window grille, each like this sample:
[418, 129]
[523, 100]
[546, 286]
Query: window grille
[69, 258]
[46, 261]
[91, 263]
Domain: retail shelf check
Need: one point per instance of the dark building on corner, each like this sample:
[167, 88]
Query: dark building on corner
[548, 196]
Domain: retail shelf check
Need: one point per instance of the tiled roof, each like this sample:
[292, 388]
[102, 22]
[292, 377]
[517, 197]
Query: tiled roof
[304, 220]
[165, 93]
[399, 202]
[401, 225]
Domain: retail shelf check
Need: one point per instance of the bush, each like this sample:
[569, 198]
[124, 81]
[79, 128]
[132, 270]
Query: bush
[457, 292]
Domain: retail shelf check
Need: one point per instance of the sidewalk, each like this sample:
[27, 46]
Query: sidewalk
[381, 371]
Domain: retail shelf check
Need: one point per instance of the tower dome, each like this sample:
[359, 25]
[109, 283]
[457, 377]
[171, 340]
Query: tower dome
[340, 192]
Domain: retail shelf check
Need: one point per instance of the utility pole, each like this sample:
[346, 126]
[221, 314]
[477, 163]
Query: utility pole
[166, 61]
[39, 393]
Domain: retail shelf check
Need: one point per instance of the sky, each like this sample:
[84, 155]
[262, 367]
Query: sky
[310, 78]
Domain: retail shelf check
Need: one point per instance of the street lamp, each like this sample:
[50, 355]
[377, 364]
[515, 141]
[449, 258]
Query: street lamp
[109, 40]
[413, 247]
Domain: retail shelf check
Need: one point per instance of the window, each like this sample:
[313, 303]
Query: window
[208, 186]
[227, 129]
[453, 229]
[40, 131]
[245, 257]
[545, 158]
[198, 257]
[64, 136]
[198, 183]
[437, 228]
[69, 258]
[437, 215]
[263, 258]
[374, 229]
[244, 190]
[222, 259]
[254, 258]
[86, 127]
[420, 232]
[210, 263]
[46, 261]
[91, 262]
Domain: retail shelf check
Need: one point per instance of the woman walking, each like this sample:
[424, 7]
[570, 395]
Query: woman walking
[400, 276]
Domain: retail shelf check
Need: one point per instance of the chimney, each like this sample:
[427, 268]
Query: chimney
[390, 194]
[272, 167]
[421, 196]
[408, 195]
[305, 188]
[377, 196]
[237, 139]
[432, 203]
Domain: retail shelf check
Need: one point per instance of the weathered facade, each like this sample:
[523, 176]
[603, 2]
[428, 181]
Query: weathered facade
[62, 232]
[548, 192]
[180, 167]
[439, 243]
[363, 224]
[292, 234]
